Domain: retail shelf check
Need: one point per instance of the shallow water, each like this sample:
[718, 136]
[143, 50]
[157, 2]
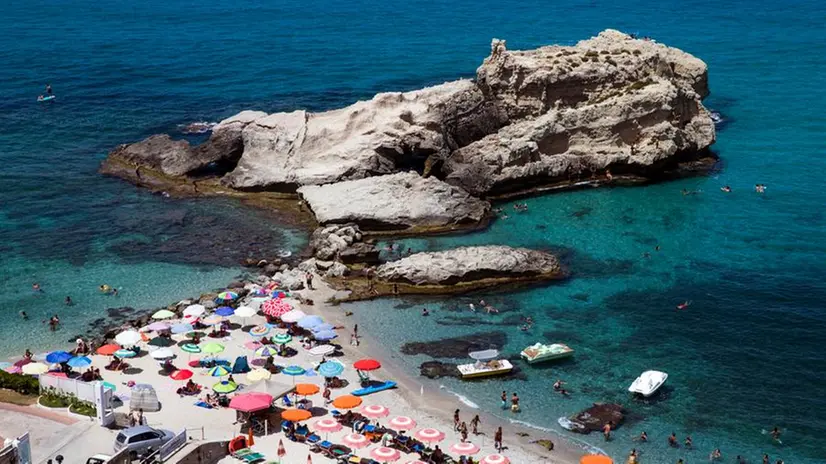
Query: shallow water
[744, 357]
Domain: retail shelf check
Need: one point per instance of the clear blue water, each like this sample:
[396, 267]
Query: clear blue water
[747, 354]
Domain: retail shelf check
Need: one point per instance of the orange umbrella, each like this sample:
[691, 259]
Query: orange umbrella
[596, 459]
[108, 350]
[296, 415]
[306, 389]
[347, 402]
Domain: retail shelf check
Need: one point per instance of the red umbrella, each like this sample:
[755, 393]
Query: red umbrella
[275, 308]
[108, 350]
[181, 374]
[251, 402]
[367, 364]
[281, 451]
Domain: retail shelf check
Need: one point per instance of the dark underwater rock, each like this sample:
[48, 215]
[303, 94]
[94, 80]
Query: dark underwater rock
[457, 347]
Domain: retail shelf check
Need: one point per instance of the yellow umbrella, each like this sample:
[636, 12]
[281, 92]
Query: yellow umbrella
[35, 368]
[258, 374]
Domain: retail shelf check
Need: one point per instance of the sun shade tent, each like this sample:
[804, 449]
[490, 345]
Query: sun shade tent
[241, 365]
[144, 397]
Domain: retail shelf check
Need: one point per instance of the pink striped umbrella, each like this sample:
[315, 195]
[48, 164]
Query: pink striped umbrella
[327, 425]
[375, 411]
[356, 440]
[495, 459]
[385, 454]
[415, 462]
[276, 307]
[464, 448]
[402, 423]
[430, 435]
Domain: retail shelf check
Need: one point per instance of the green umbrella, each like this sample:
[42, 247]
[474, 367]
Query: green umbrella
[163, 314]
[212, 348]
[123, 353]
[225, 387]
[161, 341]
[282, 339]
[190, 348]
[218, 371]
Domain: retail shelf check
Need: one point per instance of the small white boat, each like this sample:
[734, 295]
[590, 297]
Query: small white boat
[648, 383]
[539, 352]
[486, 365]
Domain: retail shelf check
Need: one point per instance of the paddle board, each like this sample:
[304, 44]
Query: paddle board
[374, 388]
[45, 99]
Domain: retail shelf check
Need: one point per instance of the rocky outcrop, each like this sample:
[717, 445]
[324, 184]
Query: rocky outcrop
[609, 104]
[594, 418]
[395, 202]
[470, 264]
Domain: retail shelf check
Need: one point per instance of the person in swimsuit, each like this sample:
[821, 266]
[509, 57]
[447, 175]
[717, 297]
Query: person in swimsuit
[672, 440]
[684, 305]
[775, 434]
[515, 402]
[643, 437]
[504, 398]
[688, 441]
[606, 431]
[49, 89]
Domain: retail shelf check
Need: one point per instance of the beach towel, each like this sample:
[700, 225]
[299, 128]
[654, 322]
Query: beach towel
[202, 404]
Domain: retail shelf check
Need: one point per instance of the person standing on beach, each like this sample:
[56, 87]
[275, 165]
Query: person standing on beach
[463, 431]
[455, 420]
[309, 277]
[497, 440]
[474, 424]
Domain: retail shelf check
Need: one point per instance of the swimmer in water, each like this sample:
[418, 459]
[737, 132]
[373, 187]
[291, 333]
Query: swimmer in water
[643, 437]
[672, 440]
[69, 301]
[425, 312]
[726, 189]
[775, 433]
[36, 288]
[759, 188]
[684, 305]
[715, 455]
[472, 308]
[558, 384]
[632, 456]
[688, 443]
[114, 291]
[24, 315]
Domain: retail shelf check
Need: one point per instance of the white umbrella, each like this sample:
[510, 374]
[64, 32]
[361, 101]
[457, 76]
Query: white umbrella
[244, 311]
[194, 310]
[162, 353]
[293, 316]
[35, 368]
[128, 338]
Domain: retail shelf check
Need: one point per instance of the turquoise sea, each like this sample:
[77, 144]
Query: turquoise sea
[745, 356]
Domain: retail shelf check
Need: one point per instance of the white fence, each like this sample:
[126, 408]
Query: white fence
[84, 391]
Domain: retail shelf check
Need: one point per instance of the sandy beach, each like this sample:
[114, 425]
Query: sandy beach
[427, 406]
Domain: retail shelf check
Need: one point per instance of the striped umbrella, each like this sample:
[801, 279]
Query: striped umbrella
[385, 454]
[464, 448]
[356, 440]
[282, 338]
[330, 369]
[218, 371]
[275, 308]
[495, 459]
[430, 435]
[374, 411]
[123, 354]
[259, 331]
[79, 362]
[293, 370]
[266, 351]
[402, 423]
[327, 425]
[190, 348]
[227, 296]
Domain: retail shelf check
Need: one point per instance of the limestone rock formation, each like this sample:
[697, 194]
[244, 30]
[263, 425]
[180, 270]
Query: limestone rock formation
[594, 418]
[469, 264]
[394, 202]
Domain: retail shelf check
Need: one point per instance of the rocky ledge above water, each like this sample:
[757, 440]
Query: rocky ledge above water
[611, 109]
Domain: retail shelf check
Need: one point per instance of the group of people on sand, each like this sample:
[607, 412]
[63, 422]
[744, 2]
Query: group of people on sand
[673, 442]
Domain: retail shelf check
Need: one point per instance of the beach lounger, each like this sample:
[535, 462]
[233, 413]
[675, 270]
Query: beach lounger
[313, 439]
[249, 456]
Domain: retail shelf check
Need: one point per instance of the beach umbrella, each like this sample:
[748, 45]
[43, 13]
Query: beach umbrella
[464, 448]
[227, 296]
[321, 350]
[195, 310]
[212, 320]
[306, 389]
[325, 335]
[34, 368]
[282, 338]
[415, 462]
[330, 369]
[162, 353]
[108, 350]
[182, 327]
[356, 440]
[367, 365]
[595, 459]
[244, 312]
[327, 425]
[347, 402]
[181, 374]
[225, 311]
[128, 338]
[385, 454]
[293, 371]
[495, 459]
[308, 322]
[157, 326]
[430, 435]
[293, 316]
[374, 411]
[266, 351]
[296, 415]
[163, 314]
[402, 423]
[259, 331]
[57, 357]
[253, 345]
[275, 308]
[13, 369]
[218, 371]
[258, 374]
[225, 387]
[251, 402]
[212, 348]
[190, 319]
[324, 326]
[79, 362]
[190, 348]
[281, 450]
[161, 342]
[124, 353]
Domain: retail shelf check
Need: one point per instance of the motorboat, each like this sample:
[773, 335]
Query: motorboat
[648, 383]
[486, 365]
[539, 353]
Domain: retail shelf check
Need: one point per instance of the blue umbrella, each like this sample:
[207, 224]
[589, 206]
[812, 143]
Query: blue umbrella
[182, 328]
[293, 370]
[80, 361]
[323, 327]
[330, 369]
[225, 311]
[56, 357]
[325, 335]
[308, 322]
